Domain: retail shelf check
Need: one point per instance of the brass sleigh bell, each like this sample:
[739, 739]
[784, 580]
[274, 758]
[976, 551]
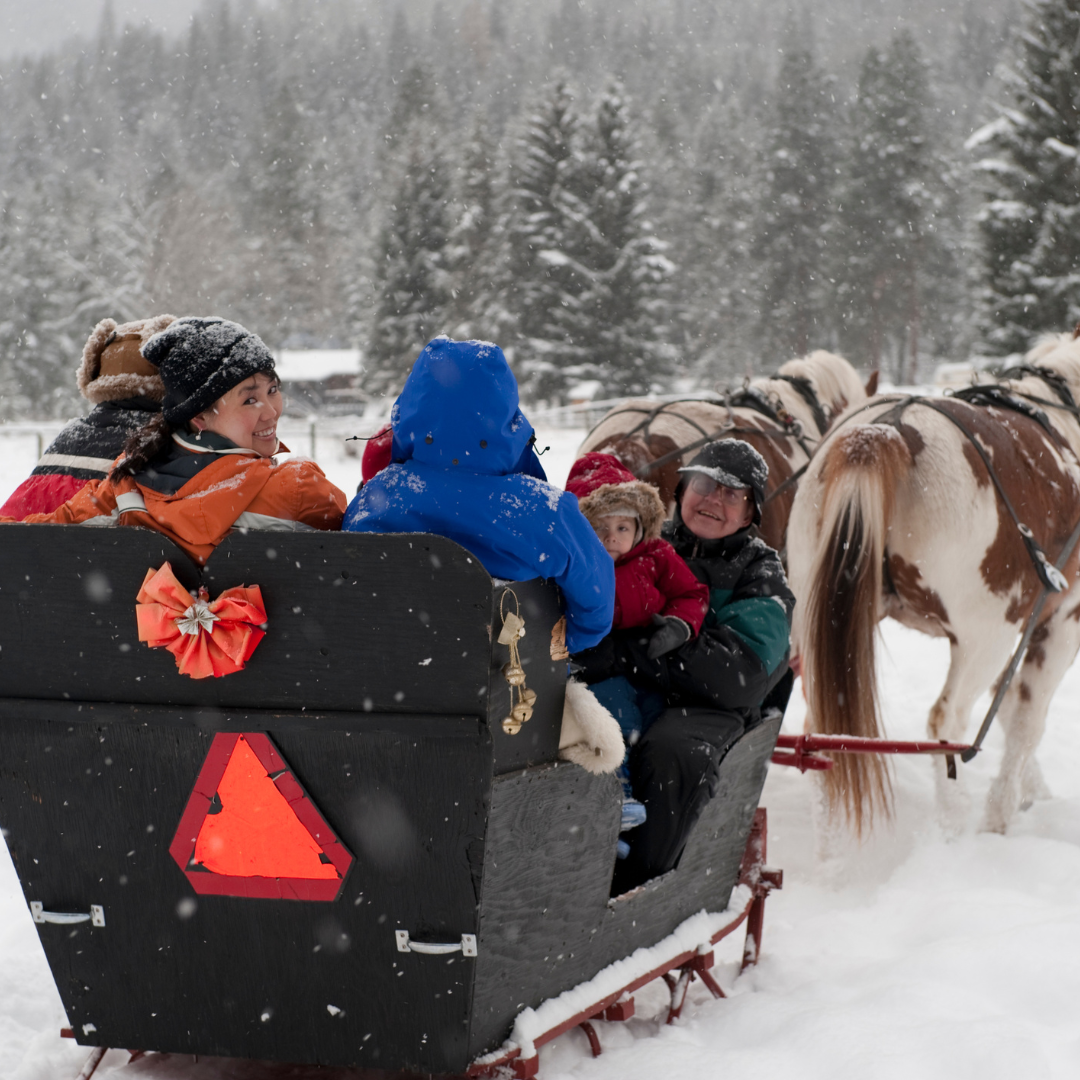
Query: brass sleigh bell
[513, 630]
[513, 674]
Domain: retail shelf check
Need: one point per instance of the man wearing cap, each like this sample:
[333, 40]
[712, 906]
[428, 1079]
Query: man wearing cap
[717, 681]
[125, 390]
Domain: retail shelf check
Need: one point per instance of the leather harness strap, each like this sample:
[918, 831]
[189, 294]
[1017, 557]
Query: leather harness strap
[1056, 382]
[806, 392]
[748, 397]
[1048, 574]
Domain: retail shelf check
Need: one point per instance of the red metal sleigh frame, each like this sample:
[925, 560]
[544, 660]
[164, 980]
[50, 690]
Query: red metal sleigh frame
[678, 972]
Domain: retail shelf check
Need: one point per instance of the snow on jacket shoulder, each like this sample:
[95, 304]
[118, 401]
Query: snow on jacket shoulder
[83, 451]
[235, 489]
[463, 467]
[651, 579]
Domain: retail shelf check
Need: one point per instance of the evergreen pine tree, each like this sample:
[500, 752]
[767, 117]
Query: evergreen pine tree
[286, 211]
[413, 283]
[712, 217]
[470, 249]
[412, 278]
[797, 213]
[530, 286]
[886, 209]
[1030, 220]
[616, 317]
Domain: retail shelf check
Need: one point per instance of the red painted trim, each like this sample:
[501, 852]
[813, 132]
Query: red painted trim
[202, 794]
[849, 744]
[802, 762]
[206, 784]
[605, 1002]
[752, 873]
[265, 751]
[261, 888]
[594, 1039]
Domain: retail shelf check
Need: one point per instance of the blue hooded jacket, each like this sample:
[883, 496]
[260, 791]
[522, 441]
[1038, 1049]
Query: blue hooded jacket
[463, 467]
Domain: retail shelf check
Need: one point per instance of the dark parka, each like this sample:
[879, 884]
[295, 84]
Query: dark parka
[715, 686]
[741, 652]
[83, 451]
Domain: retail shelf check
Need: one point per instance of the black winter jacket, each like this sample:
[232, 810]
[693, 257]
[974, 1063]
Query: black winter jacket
[742, 650]
[88, 445]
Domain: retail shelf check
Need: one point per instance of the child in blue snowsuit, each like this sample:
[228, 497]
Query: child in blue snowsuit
[463, 466]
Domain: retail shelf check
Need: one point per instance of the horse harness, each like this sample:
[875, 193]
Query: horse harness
[1050, 574]
[749, 397]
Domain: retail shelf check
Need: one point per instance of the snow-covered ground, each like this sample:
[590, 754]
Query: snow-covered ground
[908, 956]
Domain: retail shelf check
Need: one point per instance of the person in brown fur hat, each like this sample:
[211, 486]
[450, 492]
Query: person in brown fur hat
[652, 585]
[125, 390]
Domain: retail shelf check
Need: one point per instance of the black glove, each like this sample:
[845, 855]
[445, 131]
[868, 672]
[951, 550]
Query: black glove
[670, 633]
[595, 664]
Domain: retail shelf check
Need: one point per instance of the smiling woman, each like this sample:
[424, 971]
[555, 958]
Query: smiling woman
[206, 464]
[247, 414]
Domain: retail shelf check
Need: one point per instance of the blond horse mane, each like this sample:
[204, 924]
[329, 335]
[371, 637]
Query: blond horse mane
[1060, 353]
[834, 380]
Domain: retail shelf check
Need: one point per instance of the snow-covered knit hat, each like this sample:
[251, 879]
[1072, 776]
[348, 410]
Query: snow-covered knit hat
[112, 366]
[202, 358]
[605, 487]
[733, 463]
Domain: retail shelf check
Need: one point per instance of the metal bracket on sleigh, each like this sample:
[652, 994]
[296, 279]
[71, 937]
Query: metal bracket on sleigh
[678, 972]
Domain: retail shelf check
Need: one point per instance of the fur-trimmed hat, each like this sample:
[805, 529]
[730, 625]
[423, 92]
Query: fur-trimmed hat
[605, 487]
[113, 368]
[202, 358]
[734, 464]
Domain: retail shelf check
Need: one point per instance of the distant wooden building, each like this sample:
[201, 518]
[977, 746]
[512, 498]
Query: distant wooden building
[321, 380]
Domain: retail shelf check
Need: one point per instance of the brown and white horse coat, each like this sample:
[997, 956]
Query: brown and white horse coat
[901, 518]
[832, 382]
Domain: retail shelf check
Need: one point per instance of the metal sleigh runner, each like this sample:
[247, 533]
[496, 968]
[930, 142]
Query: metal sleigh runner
[305, 806]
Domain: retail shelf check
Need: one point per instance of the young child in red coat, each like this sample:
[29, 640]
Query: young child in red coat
[652, 585]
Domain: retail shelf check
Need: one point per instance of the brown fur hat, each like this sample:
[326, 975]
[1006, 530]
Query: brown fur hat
[113, 368]
[604, 486]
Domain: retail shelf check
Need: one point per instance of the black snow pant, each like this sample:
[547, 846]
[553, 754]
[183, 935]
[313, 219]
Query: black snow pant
[673, 770]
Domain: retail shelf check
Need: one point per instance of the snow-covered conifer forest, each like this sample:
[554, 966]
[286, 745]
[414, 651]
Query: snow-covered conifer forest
[626, 192]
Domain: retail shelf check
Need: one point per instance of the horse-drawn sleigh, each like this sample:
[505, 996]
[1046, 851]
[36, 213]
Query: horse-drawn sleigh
[425, 884]
[339, 855]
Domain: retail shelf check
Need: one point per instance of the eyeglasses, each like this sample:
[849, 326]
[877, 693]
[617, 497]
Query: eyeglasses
[704, 485]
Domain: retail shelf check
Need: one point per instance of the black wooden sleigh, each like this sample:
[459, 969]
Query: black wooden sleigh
[455, 875]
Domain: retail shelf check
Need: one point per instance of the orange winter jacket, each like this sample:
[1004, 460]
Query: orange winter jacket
[238, 489]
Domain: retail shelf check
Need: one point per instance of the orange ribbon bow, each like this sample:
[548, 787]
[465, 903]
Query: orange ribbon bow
[207, 638]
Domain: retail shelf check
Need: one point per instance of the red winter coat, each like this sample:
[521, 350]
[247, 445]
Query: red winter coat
[377, 453]
[39, 494]
[650, 579]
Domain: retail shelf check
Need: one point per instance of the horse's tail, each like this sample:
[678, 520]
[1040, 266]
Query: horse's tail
[863, 467]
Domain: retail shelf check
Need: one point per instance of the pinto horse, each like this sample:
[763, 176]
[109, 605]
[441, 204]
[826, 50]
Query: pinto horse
[783, 417]
[912, 508]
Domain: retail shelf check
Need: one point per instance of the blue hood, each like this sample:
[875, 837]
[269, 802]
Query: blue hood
[459, 410]
[463, 467]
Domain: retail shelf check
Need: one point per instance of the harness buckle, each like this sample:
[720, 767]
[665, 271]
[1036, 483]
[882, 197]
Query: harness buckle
[1048, 573]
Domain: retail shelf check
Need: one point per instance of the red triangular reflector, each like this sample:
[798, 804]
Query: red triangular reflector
[250, 830]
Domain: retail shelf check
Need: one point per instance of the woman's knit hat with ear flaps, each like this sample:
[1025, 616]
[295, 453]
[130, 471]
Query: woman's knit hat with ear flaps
[200, 359]
[113, 368]
[605, 487]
